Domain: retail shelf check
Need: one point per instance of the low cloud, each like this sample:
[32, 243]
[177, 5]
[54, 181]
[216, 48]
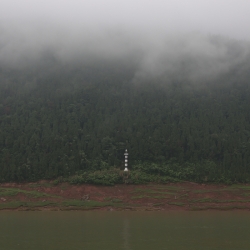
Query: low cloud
[191, 56]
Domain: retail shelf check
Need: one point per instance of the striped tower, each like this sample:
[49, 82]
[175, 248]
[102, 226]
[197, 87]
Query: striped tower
[126, 160]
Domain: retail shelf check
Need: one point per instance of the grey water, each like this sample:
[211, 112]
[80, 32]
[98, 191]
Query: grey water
[124, 230]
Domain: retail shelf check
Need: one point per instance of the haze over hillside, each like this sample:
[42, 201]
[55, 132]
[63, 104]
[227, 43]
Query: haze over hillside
[192, 57]
[168, 80]
[160, 35]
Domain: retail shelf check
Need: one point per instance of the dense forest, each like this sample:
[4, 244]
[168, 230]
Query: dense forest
[62, 120]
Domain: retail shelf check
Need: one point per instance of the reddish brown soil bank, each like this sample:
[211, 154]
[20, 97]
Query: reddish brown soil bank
[45, 195]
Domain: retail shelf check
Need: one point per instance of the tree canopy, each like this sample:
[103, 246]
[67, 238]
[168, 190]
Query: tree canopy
[62, 120]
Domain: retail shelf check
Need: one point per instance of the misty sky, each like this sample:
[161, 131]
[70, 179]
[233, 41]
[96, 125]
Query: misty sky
[163, 34]
[225, 17]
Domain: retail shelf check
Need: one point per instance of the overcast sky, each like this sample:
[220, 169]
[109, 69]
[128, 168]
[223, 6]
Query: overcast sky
[160, 36]
[225, 17]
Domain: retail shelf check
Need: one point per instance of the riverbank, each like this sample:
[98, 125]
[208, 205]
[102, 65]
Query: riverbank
[45, 195]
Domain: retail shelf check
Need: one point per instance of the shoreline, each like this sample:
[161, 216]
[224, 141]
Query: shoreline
[185, 196]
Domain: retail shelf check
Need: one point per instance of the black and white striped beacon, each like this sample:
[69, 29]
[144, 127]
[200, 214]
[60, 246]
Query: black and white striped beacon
[126, 160]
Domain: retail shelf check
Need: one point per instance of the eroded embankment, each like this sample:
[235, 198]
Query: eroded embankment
[44, 195]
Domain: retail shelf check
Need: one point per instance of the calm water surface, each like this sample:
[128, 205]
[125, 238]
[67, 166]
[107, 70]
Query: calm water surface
[124, 230]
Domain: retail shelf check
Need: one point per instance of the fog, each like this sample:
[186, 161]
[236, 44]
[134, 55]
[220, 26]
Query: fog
[200, 39]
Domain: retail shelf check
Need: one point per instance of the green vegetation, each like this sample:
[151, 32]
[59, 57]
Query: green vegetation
[37, 185]
[18, 204]
[145, 197]
[177, 203]
[204, 200]
[223, 208]
[149, 196]
[207, 191]
[115, 200]
[87, 204]
[112, 176]
[168, 188]
[151, 191]
[74, 123]
[209, 200]
[14, 191]
[154, 193]
[158, 204]
[60, 203]
[64, 205]
[239, 187]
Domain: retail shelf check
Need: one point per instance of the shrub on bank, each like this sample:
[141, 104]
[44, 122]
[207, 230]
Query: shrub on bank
[143, 173]
[111, 177]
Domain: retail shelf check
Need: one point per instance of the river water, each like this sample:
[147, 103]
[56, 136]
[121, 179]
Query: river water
[124, 230]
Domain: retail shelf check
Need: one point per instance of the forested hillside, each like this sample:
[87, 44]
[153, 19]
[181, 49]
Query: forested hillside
[62, 119]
